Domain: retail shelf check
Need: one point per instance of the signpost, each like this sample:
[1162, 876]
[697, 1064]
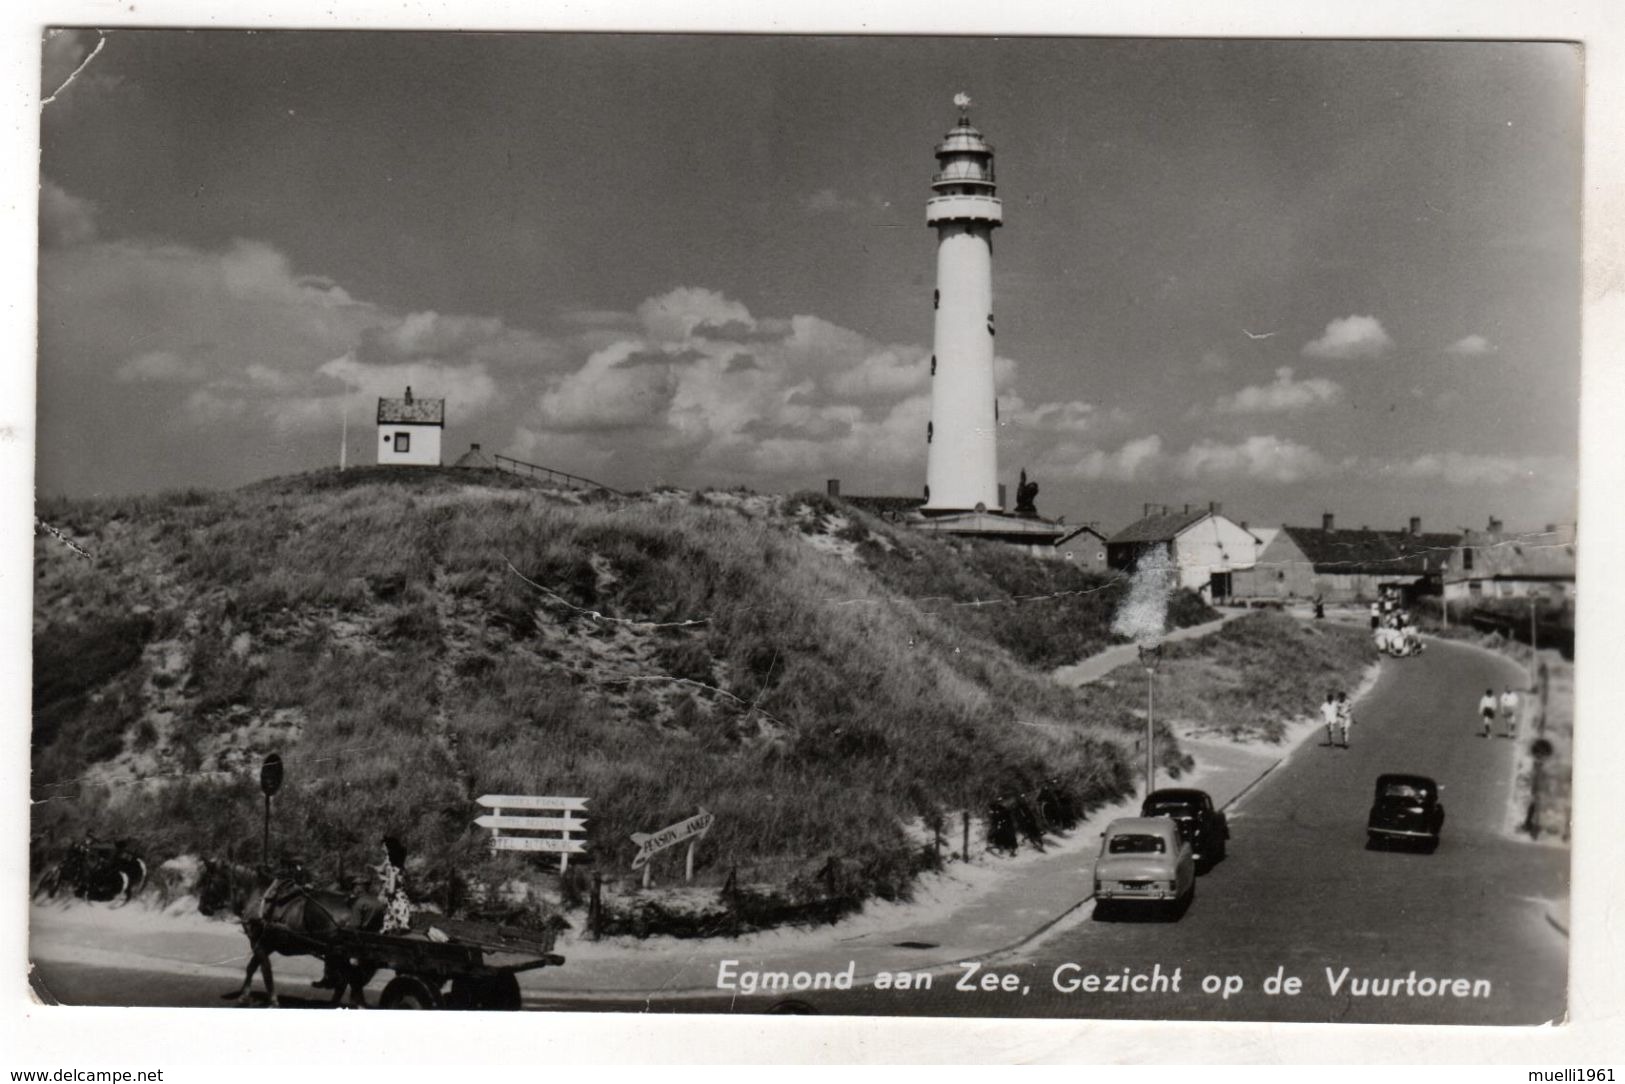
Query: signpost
[691, 830]
[566, 827]
[270, 783]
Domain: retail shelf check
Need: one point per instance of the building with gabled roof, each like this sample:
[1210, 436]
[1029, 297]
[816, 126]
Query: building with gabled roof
[1085, 547]
[1341, 564]
[1206, 547]
[409, 431]
[1495, 563]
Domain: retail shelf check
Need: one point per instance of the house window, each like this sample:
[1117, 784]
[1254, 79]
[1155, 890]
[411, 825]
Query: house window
[1475, 588]
[403, 442]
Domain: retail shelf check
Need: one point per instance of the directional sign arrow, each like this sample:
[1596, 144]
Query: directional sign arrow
[535, 824]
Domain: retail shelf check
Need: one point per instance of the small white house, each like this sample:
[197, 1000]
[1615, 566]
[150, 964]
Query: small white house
[1205, 546]
[409, 431]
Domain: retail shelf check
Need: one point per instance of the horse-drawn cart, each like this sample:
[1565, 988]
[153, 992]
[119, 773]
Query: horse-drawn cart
[451, 973]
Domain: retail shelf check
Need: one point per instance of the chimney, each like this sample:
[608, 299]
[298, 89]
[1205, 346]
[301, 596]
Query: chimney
[473, 447]
[1145, 510]
[1244, 525]
[1495, 526]
[1001, 494]
[1214, 508]
[1416, 525]
[1187, 510]
[408, 393]
[833, 487]
[1326, 521]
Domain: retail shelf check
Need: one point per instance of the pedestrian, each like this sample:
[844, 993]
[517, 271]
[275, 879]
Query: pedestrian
[1486, 710]
[1509, 712]
[392, 887]
[1345, 717]
[1328, 714]
[1376, 616]
[1320, 607]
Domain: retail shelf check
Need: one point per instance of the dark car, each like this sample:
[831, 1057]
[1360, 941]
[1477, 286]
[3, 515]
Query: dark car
[1406, 809]
[1202, 826]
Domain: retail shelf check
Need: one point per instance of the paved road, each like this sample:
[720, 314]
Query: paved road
[1299, 892]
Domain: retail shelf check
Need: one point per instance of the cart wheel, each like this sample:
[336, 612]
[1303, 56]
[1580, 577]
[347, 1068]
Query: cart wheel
[409, 992]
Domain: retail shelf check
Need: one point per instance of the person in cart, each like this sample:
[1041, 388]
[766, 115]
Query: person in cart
[391, 901]
[392, 887]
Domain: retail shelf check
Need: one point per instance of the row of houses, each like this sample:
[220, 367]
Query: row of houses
[1226, 560]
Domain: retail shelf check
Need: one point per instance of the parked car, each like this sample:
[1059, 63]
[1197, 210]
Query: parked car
[1406, 809]
[1144, 862]
[1205, 828]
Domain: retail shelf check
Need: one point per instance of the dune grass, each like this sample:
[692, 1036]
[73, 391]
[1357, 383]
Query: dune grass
[408, 641]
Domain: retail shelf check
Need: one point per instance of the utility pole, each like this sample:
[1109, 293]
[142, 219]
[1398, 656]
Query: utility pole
[1534, 649]
[1149, 657]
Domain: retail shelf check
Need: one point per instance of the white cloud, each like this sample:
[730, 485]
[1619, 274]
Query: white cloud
[1212, 361]
[703, 392]
[673, 316]
[1072, 461]
[1263, 458]
[158, 367]
[64, 219]
[237, 340]
[891, 372]
[1283, 395]
[1472, 346]
[829, 201]
[1464, 469]
[1350, 337]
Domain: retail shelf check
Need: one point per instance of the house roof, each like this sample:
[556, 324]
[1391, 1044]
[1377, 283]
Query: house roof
[1085, 529]
[411, 411]
[1527, 554]
[1160, 528]
[1372, 553]
[990, 525]
[1265, 535]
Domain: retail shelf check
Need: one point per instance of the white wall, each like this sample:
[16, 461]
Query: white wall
[423, 446]
[1213, 544]
[962, 460]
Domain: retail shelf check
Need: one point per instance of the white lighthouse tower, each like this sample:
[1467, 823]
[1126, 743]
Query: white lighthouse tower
[962, 453]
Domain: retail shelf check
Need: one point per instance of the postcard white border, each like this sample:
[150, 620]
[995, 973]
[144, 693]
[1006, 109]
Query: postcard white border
[428, 1048]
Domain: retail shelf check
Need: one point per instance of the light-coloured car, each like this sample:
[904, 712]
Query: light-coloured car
[1144, 862]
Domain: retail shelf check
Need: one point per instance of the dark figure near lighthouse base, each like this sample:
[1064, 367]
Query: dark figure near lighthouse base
[1026, 496]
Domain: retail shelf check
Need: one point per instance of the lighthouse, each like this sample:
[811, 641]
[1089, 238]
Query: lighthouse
[962, 452]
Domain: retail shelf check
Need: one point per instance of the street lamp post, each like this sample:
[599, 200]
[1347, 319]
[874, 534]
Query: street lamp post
[1150, 655]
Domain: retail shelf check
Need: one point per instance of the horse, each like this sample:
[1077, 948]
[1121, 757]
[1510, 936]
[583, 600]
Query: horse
[284, 914]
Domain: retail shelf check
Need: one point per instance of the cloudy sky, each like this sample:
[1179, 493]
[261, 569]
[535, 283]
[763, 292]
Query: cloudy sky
[1292, 277]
